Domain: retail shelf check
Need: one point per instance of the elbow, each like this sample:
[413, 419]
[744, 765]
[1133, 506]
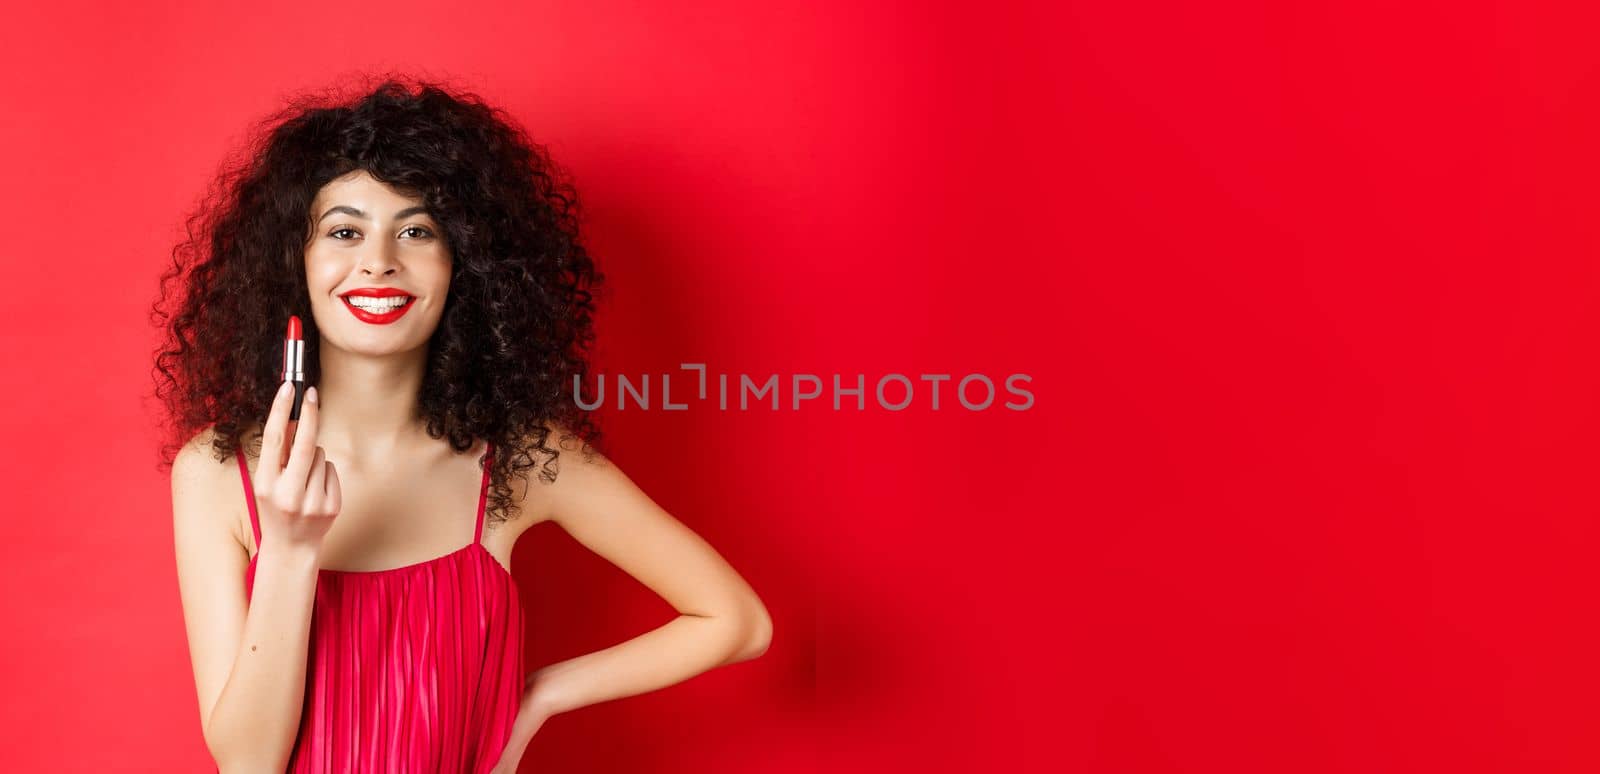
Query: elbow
[233, 759]
[755, 631]
[220, 753]
[248, 765]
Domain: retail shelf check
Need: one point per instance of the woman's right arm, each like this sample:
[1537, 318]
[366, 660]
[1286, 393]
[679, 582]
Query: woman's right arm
[249, 656]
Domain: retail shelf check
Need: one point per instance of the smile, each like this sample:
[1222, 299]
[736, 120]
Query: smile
[376, 310]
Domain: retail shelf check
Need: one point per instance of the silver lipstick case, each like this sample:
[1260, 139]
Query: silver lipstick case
[294, 359]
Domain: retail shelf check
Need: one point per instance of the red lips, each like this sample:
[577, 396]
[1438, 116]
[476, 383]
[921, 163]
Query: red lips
[376, 318]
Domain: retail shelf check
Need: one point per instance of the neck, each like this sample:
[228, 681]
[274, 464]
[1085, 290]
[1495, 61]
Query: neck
[369, 404]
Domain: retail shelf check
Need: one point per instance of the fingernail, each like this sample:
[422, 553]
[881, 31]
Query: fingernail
[311, 395]
[283, 389]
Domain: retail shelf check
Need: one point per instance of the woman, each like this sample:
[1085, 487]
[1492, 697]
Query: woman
[344, 576]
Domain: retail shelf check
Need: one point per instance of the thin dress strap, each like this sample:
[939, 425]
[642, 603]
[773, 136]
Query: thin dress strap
[249, 496]
[483, 489]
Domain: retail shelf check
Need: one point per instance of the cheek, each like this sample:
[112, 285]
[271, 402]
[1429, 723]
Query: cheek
[439, 282]
[321, 275]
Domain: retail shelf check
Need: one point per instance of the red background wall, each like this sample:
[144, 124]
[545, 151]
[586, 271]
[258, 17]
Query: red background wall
[1307, 298]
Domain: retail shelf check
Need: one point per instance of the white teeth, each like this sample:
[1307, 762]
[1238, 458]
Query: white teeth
[370, 304]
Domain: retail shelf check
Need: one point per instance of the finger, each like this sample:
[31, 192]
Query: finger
[312, 499]
[288, 440]
[305, 443]
[272, 435]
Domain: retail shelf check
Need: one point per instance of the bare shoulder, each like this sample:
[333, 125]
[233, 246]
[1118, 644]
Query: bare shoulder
[206, 492]
[578, 469]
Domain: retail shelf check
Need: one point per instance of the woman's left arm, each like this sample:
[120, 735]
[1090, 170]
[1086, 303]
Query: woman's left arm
[720, 619]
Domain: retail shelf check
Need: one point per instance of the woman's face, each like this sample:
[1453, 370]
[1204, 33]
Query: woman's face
[367, 237]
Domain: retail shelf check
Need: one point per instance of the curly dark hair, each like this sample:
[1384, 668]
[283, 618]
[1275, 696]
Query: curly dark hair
[516, 325]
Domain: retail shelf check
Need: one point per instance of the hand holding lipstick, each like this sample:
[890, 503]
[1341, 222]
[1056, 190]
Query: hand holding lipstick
[297, 493]
[296, 486]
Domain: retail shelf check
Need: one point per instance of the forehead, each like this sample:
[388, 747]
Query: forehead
[360, 187]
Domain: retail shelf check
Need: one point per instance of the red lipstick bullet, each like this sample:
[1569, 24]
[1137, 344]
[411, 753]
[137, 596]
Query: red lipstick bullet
[294, 359]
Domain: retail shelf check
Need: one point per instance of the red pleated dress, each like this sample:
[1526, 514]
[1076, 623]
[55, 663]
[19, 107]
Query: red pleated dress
[409, 669]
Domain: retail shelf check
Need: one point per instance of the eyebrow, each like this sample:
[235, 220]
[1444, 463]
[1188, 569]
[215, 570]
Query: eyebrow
[405, 213]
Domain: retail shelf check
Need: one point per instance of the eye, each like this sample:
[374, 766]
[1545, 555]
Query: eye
[339, 230]
[425, 232]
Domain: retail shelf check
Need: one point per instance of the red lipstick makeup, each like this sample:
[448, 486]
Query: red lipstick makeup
[378, 306]
[294, 361]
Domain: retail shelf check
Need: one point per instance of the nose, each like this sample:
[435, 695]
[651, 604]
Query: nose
[378, 261]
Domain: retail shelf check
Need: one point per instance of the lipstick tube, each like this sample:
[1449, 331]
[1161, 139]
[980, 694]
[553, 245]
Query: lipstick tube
[294, 361]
